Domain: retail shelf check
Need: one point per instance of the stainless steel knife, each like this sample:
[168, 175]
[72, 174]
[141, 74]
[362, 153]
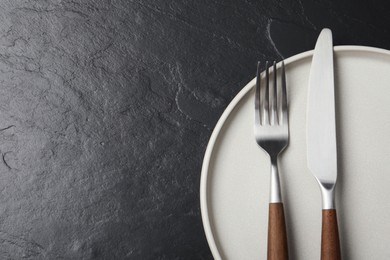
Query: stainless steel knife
[321, 140]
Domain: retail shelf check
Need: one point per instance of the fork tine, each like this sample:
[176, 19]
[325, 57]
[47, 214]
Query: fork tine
[257, 96]
[265, 103]
[284, 111]
[274, 116]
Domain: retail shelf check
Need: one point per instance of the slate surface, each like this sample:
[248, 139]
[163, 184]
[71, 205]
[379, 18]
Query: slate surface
[106, 108]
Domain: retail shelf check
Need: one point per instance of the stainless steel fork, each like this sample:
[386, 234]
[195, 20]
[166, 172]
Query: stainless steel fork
[272, 134]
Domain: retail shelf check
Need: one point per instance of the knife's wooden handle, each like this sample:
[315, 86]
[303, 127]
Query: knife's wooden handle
[277, 235]
[330, 242]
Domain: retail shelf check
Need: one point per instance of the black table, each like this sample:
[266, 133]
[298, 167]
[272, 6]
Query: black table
[106, 108]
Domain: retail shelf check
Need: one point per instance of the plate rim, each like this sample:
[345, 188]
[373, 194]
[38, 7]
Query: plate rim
[221, 121]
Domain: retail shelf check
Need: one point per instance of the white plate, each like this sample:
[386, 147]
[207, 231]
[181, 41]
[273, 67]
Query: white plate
[235, 173]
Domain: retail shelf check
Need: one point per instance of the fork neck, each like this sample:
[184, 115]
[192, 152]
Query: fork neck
[275, 191]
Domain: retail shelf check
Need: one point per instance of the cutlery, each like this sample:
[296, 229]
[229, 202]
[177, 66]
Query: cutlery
[272, 134]
[321, 140]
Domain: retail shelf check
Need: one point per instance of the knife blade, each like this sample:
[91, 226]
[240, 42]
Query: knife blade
[321, 139]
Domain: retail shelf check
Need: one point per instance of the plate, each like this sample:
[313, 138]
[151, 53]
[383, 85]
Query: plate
[235, 174]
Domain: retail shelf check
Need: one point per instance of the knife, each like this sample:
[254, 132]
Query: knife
[321, 140]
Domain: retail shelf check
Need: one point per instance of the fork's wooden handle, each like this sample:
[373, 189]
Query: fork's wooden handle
[330, 243]
[277, 235]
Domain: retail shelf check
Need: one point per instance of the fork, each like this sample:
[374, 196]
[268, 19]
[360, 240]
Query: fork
[272, 135]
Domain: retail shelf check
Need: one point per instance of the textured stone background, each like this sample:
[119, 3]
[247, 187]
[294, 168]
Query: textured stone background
[106, 108]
